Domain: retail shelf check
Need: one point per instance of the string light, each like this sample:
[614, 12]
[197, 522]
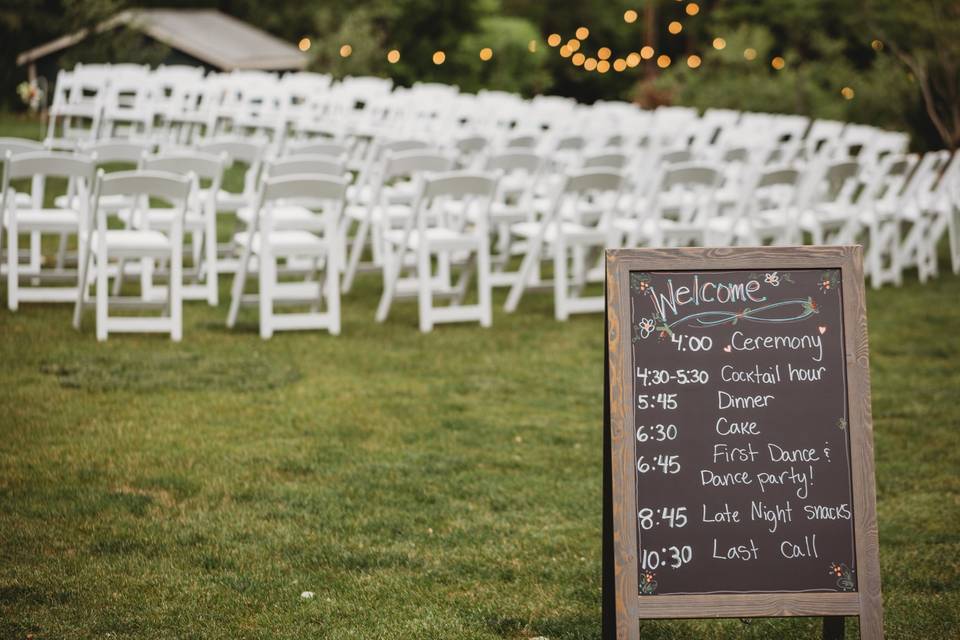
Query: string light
[778, 63]
[573, 44]
[532, 46]
[590, 64]
[393, 57]
[877, 45]
[565, 51]
[553, 39]
[674, 27]
[578, 59]
[646, 52]
[693, 9]
[619, 65]
[847, 93]
[486, 53]
[439, 57]
[630, 16]
[750, 53]
[603, 53]
[603, 66]
[663, 61]
[345, 51]
[583, 33]
[693, 61]
[719, 43]
[304, 44]
[633, 59]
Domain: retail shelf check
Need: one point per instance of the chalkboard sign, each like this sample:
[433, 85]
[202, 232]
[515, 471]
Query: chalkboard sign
[739, 437]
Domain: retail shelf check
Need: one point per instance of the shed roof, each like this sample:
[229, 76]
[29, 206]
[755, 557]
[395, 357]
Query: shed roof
[212, 37]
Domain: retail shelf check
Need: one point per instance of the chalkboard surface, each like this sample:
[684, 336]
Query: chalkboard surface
[743, 477]
[738, 453]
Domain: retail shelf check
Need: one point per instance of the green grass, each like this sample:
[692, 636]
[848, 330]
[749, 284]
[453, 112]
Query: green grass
[438, 486]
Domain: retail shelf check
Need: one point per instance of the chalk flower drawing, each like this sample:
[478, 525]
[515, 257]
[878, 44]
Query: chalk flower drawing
[648, 583]
[829, 280]
[772, 279]
[842, 423]
[844, 575]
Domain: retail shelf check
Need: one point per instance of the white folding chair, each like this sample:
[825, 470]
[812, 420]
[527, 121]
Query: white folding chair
[441, 226]
[765, 214]
[200, 220]
[316, 240]
[103, 244]
[579, 221]
[392, 190]
[36, 219]
[833, 214]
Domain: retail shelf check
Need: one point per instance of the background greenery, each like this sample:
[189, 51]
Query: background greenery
[901, 59]
[422, 486]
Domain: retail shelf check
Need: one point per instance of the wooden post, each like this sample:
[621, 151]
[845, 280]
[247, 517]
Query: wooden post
[833, 628]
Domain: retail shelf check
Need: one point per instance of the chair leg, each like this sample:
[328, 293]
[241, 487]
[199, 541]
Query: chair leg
[529, 266]
[332, 292]
[13, 260]
[175, 292]
[210, 263]
[103, 294]
[83, 289]
[239, 282]
[268, 268]
[356, 250]
[392, 264]
[424, 290]
[484, 286]
[560, 279]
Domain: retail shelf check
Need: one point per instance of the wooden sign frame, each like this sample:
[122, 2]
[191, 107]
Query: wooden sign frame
[623, 606]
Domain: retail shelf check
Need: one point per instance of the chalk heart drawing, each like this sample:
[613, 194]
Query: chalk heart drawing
[822, 329]
[728, 349]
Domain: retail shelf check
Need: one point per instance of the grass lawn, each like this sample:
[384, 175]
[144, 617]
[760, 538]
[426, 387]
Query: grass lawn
[438, 486]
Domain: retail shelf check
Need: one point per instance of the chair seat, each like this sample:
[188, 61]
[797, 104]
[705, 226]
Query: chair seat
[436, 238]
[283, 243]
[47, 220]
[129, 241]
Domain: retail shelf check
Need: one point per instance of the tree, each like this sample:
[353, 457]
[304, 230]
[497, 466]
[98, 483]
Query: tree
[924, 36]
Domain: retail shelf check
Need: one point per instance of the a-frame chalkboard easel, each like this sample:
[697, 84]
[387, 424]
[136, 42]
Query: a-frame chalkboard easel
[624, 604]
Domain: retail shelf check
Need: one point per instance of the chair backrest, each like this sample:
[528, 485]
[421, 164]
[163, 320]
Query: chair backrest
[246, 150]
[18, 145]
[437, 190]
[458, 184]
[304, 186]
[608, 160]
[206, 166]
[514, 161]
[412, 162]
[695, 186]
[305, 164]
[172, 187]
[49, 164]
[117, 151]
[324, 194]
[318, 148]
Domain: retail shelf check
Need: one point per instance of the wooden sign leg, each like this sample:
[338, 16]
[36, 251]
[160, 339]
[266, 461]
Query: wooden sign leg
[833, 628]
[609, 607]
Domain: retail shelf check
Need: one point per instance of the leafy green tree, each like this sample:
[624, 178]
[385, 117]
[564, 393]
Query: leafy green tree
[924, 36]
